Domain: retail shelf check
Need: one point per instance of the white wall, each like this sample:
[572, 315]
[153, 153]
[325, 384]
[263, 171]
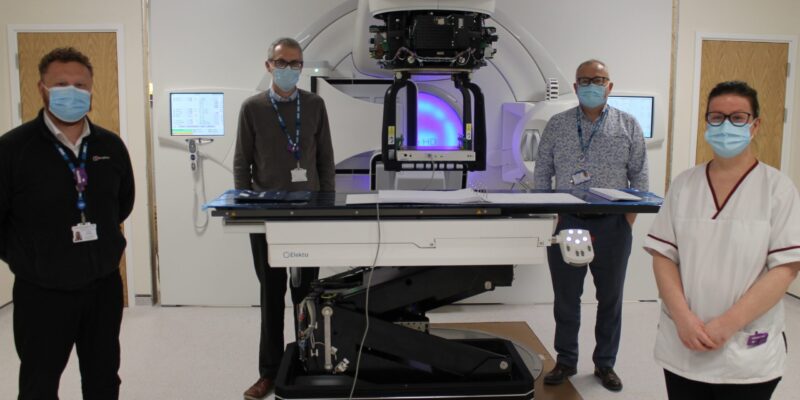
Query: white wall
[767, 17]
[128, 14]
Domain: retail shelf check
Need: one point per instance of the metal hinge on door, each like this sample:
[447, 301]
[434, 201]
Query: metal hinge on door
[19, 108]
[16, 59]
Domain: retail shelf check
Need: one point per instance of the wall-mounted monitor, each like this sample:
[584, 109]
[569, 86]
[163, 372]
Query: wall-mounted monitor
[641, 107]
[196, 114]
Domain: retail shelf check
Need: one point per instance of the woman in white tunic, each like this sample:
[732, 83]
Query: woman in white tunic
[725, 247]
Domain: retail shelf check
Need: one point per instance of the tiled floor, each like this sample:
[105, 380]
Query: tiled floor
[210, 353]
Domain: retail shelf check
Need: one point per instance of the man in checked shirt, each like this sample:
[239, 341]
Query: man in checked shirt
[592, 145]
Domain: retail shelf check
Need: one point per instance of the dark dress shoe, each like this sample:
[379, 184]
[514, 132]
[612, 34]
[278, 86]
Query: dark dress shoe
[260, 389]
[559, 374]
[609, 378]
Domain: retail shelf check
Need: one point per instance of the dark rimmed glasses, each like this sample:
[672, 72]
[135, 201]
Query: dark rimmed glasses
[282, 64]
[739, 118]
[594, 80]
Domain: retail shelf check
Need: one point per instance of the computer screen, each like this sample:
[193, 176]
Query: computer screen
[196, 114]
[641, 107]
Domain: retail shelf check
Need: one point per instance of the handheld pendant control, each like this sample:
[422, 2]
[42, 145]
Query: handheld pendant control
[576, 246]
[193, 153]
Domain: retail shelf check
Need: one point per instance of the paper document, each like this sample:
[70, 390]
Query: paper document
[365, 198]
[614, 194]
[462, 196]
[534, 198]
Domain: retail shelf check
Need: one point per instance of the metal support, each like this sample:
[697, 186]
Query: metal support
[479, 133]
[327, 312]
[391, 140]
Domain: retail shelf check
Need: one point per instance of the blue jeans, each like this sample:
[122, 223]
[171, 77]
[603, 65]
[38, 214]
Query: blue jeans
[611, 237]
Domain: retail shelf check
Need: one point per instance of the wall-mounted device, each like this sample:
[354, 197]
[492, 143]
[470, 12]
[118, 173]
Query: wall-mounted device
[202, 123]
[201, 116]
[642, 108]
[197, 114]
[642, 105]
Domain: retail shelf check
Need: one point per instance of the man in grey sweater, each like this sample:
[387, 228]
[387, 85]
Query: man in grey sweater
[283, 143]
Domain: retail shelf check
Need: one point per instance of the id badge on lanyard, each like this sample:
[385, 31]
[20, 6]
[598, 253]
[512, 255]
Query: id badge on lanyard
[298, 174]
[581, 175]
[83, 231]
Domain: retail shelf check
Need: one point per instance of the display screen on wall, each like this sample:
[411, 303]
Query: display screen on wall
[196, 114]
[641, 107]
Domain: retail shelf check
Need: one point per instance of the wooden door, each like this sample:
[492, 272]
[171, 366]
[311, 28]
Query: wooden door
[764, 66]
[101, 48]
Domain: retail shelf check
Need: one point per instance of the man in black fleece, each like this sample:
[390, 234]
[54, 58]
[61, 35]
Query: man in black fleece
[66, 185]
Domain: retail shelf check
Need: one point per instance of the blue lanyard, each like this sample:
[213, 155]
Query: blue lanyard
[294, 145]
[79, 174]
[595, 127]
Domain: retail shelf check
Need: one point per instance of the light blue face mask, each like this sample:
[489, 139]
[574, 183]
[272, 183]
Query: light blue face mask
[285, 78]
[728, 140]
[69, 103]
[592, 96]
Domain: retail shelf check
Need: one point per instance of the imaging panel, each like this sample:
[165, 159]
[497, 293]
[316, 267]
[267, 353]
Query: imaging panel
[197, 114]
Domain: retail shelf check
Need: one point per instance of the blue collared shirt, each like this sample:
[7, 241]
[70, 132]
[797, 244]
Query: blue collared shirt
[280, 99]
[616, 157]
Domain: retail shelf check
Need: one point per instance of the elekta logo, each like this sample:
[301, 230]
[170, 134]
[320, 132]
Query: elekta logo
[295, 254]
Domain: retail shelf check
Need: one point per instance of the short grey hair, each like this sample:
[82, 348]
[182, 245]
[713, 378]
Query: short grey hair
[590, 62]
[285, 42]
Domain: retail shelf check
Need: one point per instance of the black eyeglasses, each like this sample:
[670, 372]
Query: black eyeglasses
[595, 80]
[281, 64]
[740, 118]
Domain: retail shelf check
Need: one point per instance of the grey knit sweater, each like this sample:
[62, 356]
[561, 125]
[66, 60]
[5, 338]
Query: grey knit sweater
[261, 159]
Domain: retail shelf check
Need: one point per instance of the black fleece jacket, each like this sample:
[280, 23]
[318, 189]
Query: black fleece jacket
[38, 206]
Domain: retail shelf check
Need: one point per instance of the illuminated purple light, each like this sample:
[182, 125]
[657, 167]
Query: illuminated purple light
[438, 124]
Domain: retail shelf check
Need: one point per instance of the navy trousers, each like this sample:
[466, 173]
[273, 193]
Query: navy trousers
[273, 290]
[611, 237]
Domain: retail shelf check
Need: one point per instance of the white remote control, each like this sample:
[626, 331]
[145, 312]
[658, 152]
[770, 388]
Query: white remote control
[576, 246]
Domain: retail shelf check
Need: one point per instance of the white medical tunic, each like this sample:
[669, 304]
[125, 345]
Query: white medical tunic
[721, 250]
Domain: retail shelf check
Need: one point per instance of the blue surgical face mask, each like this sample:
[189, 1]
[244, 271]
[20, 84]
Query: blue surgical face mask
[728, 140]
[69, 103]
[285, 78]
[592, 96]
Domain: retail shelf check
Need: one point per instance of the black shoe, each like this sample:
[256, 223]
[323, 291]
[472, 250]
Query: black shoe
[609, 378]
[559, 374]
